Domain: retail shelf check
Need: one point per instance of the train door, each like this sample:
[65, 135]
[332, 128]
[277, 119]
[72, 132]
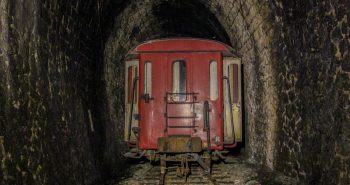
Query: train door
[153, 80]
[232, 101]
[194, 81]
[131, 100]
[180, 115]
[206, 80]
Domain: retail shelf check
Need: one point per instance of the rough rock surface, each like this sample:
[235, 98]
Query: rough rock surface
[46, 76]
[61, 76]
[313, 87]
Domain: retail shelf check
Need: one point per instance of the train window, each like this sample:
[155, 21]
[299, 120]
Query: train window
[213, 84]
[132, 71]
[233, 75]
[147, 85]
[179, 80]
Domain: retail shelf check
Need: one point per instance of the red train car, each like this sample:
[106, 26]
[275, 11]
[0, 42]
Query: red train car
[183, 100]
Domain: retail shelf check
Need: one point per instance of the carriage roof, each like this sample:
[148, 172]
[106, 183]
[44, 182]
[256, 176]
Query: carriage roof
[182, 45]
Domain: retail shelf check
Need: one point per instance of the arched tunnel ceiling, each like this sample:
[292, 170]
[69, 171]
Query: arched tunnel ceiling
[188, 18]
[63, 68]
[177, 18]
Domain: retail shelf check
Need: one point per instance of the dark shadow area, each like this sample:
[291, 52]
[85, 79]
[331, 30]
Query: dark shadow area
[189, 19]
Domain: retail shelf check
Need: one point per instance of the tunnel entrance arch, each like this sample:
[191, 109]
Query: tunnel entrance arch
[211, 20]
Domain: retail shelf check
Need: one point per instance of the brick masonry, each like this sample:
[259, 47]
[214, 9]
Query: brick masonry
[59, 60]
[312, 49]
[47, 66]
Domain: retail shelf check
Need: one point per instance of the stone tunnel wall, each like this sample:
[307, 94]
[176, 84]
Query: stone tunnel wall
[250, 27]
[46, 71]
[296, 82]
[296, 65]
[313, 63]
[123, 36]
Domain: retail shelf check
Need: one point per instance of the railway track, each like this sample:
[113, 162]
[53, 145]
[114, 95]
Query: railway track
[235, 171]
[152, 177]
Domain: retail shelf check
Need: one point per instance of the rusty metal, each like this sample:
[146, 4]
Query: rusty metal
[134, 153]
[183, 170]
[219, 154]
[179, 144]
[199, 160]
[207, 160]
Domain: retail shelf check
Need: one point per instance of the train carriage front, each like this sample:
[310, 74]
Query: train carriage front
[183, 101]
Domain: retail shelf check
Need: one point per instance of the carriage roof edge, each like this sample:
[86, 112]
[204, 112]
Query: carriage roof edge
[174, 45]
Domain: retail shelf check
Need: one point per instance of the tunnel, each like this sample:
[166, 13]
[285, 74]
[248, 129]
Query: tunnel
[62, 84]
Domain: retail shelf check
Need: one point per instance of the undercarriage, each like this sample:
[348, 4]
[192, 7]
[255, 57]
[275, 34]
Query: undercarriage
[181, 162]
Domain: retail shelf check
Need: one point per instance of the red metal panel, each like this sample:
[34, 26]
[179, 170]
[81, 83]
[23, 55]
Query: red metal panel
[153, 121]
[201, 84]
[198, 54]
